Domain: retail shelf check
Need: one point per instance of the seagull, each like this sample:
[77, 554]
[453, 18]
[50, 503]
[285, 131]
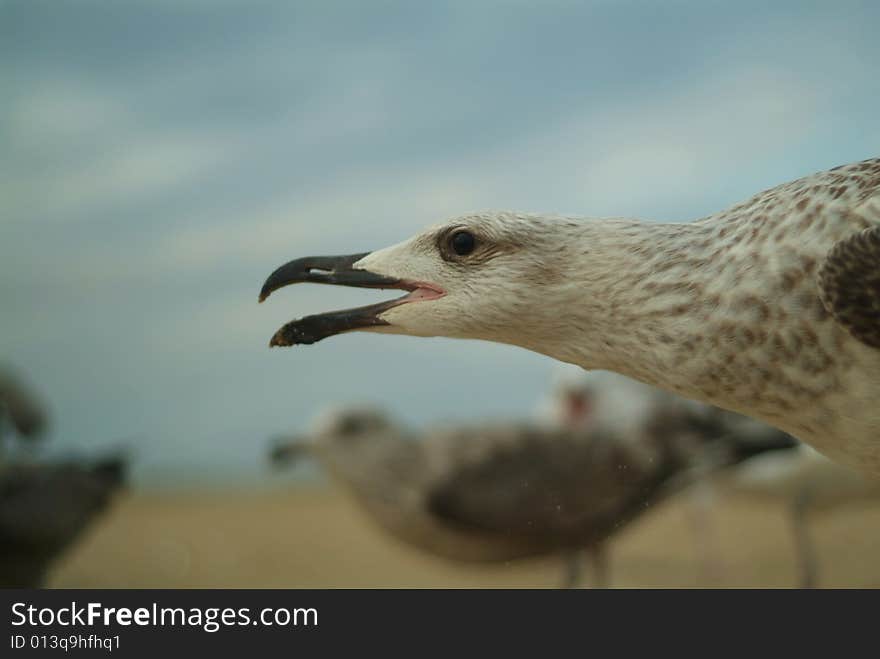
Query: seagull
[811, 484]
[603, 400]
[503, 491]
[44, 508]
[617, 404]
[770, 308]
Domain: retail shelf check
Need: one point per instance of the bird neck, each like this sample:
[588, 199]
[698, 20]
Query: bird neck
[632, 301]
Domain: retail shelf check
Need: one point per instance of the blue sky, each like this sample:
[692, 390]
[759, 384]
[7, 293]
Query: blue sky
[159, 158]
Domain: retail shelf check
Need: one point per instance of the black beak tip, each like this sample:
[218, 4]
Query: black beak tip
[278, 339]
[266, 290]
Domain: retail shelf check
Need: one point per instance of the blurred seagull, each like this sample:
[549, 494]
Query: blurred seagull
[770, 308]
[593, 400]
[504, 491]
[811, 483]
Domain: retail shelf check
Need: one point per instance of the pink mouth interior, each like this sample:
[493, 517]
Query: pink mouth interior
[423, 292]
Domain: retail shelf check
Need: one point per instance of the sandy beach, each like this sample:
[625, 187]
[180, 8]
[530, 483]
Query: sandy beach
[315, 537]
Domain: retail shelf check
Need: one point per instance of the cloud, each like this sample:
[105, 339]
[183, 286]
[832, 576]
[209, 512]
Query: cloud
[79, 151]
[48, 112]
[134, 173]
[646, 156]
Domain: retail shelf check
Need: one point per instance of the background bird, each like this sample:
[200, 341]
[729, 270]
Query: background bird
[593, 400]
[811, 484]
[497, 492]
[44, 508]
[44, 505]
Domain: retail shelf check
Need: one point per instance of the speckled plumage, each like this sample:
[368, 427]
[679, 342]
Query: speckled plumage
[849, 284]
[731, 311]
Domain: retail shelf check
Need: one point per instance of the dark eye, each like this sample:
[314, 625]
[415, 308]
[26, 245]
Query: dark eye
[351, 426]
[463, 242]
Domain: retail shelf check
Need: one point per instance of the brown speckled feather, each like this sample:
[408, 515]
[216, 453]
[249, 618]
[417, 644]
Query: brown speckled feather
[849, 283]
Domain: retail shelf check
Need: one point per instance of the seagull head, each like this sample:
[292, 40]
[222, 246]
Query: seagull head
[484, 276]
[340, 427]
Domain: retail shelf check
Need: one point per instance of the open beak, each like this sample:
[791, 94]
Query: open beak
[338, 270]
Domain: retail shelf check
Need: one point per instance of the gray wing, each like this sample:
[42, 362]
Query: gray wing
[550, 486]
[849, 283]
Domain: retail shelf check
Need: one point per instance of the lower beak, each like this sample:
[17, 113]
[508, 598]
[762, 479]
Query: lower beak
[312, 329]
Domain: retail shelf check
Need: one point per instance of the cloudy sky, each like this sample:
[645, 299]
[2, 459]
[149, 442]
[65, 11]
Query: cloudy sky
[158, 158]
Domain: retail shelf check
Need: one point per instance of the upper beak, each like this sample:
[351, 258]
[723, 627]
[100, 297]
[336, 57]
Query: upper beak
[325, 270]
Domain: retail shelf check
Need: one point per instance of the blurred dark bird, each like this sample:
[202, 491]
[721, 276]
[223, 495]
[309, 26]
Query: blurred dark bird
[20, 408]
[506, 491]
[44, 508]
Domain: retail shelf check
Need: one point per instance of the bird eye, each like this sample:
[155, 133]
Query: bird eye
[462, 243]
[350, 427]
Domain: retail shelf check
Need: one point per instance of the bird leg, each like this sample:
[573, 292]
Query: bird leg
[600, 566]
[705, 530]
[572, 574]
[804, 547]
